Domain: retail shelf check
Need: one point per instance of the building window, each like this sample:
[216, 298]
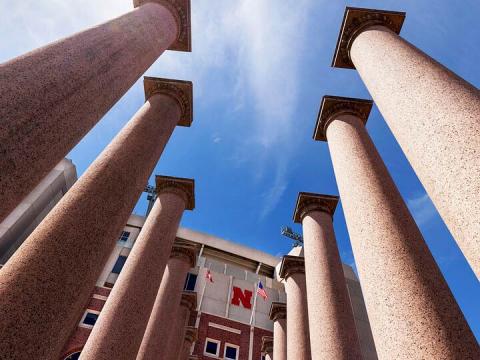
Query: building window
[231, 352]
[74, 356]
[190, 282]
[212, 347]
[124, 236]
[119, 264]
[89, 318]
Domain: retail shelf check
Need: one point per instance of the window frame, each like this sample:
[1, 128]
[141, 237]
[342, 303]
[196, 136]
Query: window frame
[114, 271]
[127, 237]
[88, 311]
[236, 347]
[219, 344]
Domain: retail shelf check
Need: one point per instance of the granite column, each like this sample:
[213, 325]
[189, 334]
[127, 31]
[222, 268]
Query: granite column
[119, 330]
[278, 314]
[165, 310]
[47, 282]
[51, 97]
[333, 335]
[188, 304]
[412, 312]
[433, 113]
[267, 347]
[292, 270]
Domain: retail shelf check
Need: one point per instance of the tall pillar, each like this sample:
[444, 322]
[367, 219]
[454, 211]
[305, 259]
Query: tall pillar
[167, 302]
[292, 270]
[188, 304]
[433, 113]
[47, 282]
[412, 312]
[278, 314]
[333, 335]
[267, 347]
[191, 334]
[51, 97]
[119, 331]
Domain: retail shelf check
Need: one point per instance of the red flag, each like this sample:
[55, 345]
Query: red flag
[209, 276]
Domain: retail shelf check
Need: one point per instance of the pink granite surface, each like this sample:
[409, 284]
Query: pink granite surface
[47, 282]
[435, 117]
[51, 97]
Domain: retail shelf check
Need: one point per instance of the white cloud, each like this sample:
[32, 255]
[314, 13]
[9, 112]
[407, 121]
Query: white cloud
[422, 208]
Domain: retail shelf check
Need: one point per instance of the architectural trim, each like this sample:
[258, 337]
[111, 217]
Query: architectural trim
[179, 90]
[308, 202]
[278, 311]
[189, 300]
[225, 328]
[292, 265]
[191, 334]
[185, 252]
[183, 187]
[334, 106]
[355, 21]
[267, 345]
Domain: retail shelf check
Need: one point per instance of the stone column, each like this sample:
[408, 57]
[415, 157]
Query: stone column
[167, 303]
[45, 285]
[333, 335]
[191, 334]
[267, 347]
[278, 314]
[292, 270]
[412, 312]
[51, 97]
[119, 331]
[433, 113]
[188, 304]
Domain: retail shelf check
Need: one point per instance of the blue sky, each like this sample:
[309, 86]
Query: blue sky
[260, 68]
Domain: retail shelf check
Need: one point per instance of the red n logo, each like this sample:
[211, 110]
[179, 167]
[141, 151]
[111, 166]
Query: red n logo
[244, 297]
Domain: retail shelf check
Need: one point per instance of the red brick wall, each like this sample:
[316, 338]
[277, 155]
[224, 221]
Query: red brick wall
[224, 336]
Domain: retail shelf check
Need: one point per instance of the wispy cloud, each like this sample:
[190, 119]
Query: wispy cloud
[422, 208]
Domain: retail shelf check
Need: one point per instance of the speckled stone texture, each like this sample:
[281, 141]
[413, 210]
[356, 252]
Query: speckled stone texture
[188, 304]
[119, 330]
[190, 338]
[333, 335]
[278, 314]
[167, 303]
[412, 312]
[51, 97]
[47, 282]
[435, 117]
[298, 338]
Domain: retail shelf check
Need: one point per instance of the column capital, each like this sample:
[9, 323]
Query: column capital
[189, 300]
[267, 344]
[185, 251]
[336, 105]
[307, 202]
[355, 20]
[191, 334]
[180, 10]
[292, 265]
[180, 90]
[278, 311]
[182, 187]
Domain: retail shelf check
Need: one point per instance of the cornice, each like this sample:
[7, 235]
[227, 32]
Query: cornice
[184, 252]
[180, 9]
[278, 311]
[179, 90]
[191, 334]
[308, 202]
[356, 20]
[183, 187]
[189, 300]
[267, 345]
[332, 106]
[292, 265]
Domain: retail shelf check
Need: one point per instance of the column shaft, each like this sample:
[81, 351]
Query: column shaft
[185, 351]
[412, 312]
[175, 344]
[51, 97]
[280, 339]
[333, 335]
[47, 282]
[298, 338]
[165, 310]
[434, 115]
[119, 331]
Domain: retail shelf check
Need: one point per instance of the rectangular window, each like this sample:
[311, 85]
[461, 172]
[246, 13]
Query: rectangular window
[190, 282]
[119, 264]
[212, 347]
[89, 318]
[124, 236]
[231, 352]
